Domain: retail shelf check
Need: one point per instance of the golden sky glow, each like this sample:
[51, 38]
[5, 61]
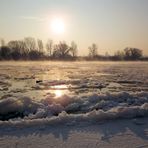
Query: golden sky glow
[111, 24]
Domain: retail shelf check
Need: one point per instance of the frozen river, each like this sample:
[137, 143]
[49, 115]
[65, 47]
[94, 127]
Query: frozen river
[76, 90]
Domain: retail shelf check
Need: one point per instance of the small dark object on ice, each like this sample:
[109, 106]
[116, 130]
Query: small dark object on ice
[39, 81]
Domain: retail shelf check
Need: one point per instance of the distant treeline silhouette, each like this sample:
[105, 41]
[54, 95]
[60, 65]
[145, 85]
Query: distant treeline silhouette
[31, 49]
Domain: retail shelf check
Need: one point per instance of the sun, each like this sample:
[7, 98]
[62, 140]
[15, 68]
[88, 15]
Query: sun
[57, 26]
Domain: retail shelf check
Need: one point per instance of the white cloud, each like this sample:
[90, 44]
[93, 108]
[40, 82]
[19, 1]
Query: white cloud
[34, 18]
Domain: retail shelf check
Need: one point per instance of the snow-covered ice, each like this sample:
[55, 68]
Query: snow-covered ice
[47, 96]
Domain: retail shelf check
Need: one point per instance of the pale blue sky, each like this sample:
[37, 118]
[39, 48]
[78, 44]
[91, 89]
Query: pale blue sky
[112, 24]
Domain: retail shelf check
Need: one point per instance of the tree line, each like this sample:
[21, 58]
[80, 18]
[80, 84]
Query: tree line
[31, 49]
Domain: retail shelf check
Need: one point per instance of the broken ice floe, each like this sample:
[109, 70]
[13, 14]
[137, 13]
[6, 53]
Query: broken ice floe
[95, 107]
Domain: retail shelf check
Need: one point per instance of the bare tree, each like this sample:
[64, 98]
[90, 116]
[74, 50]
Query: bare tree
[61, 50]
[2, 42]
[49, 47]
[93, 50]
[40, 45]
[16, 49]
[127, 53]
[14, 45]
[30, 43]
[5, 53]
[132, 53]
[73, 49]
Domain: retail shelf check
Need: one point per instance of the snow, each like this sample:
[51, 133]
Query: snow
[113, 134]
[72, 99]
[73, 108]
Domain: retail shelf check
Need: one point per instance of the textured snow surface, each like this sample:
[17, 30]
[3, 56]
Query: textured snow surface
[54, 92]
[127, 133]
[74, 105]
[71, 109]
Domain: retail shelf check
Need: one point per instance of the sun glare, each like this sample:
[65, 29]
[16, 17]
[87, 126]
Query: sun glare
[57, 26]
[58, 93]
[59, 90]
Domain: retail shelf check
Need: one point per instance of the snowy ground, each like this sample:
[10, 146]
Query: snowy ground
[80, 104]
[127, 133]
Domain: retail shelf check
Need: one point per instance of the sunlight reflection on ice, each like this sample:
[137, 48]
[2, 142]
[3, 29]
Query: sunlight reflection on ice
[59, 90]
[58, 93]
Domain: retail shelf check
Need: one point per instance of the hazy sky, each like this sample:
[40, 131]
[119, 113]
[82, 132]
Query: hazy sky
[112, 24]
